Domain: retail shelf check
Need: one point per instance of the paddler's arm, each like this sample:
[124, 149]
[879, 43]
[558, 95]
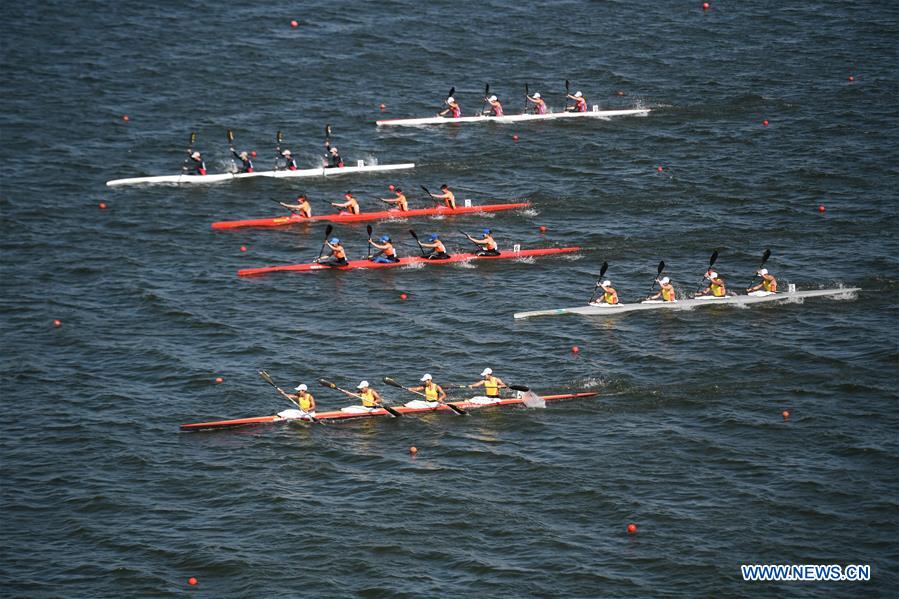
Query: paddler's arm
[441, 394]
[477, 384]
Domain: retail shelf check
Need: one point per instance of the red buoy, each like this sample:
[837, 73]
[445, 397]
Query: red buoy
[659, 169]
[191, 581]
[125, 118]
[253, 153]
[575, 349]
[57, 323]
[620, 93]
[383, 107]
[243, 248]
[821, 208]
[219, 380]
[542, 229]
[765, 122]
[851, 78]
[785, 414]
[403, 296]
[391, 187]
[294, 24]
[631, 529]
[514, 138]
[705, 6]
[102, 205]
[413, 450]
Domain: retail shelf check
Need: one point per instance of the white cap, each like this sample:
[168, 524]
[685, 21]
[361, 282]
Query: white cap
[426, 377]
[243, 154]
[487, 371]
[333, 150]
[763, 271]
[195, 155]
[301, 387]
[285, 153]
[536, 94]
[578, 95]
[606, 283]
[492, 98]
[450, 100]
[664, 280]
[711, 275]
[362, 385]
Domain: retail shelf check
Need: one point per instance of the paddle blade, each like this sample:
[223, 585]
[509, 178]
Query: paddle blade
[369, 229]
[457, 409]
[279, 137]
[766, 255]
[328, 230]
[426, 189]
[452, 92]
[328, 131]
[392, 383]
[661, 267]
[567, 85]
[713, 259]
[266, 377]
[193, 138]
[412, 233]
[518, 387]
[602, 271]
[230, 136]
[526, 90]
[486, 89]
[532, 400]
[327, 384]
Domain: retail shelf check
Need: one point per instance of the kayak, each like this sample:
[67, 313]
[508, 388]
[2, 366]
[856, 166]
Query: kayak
[345, 217]
[515, 118]
[354, 264]
[341, 415]
[687, 304]
[284, 174]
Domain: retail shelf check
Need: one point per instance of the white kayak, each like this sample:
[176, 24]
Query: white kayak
[687, 304]
[516, 118]
[284, 174]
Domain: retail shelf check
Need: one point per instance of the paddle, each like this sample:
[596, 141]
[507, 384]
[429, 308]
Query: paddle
[331, 385]
[393, 383]
[279, 139]
[765, 257]
[420, 247]
[328, 230]
[658, 274]
[190, 150]
[231, 147]
[526, 94]
[486, 95]
[602, 271]
[431, 195]
[567, 93]
[328, 133]
[467, 236]
[369, 229]
[265, 376]
[712, 260]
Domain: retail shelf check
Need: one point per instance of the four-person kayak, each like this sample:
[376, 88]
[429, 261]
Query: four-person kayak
[355, 264]
[514, 118]
[686, 304]
[346, 217]
[340, 415]
[282, 174]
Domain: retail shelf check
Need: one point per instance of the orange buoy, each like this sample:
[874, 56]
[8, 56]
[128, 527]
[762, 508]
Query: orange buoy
[403, 296]
[391, 187]
[102, 205]
[294, 24]
[620, 93]
[785, 414]
[383, 107]
[57, 323]
[514, 138]
[413, 450]
[253, 153]
[575, 349]
[851, 78]
[125, 118]
[542, 229]
[191, 581]
[631, 529]
[219, 380]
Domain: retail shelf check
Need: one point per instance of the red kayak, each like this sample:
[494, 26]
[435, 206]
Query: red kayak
[345, 217]
[340, 416]
[353, 264]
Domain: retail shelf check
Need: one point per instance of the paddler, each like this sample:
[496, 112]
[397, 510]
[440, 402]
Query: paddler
[333, 156]
[715, 287]
[492, 384]
[453, 107]
[490, 246]
[666, 291]
[290, 162]
[386, 253]
[539, 103]
[448, 197]
[431, 390]
[609, 294]
[246, 163]
[769, 283]
[402, 204]
[351, 205]
[495, 106]
[439, 250]
[197, 164]
[302, 206]
[580, 102]
[371, 399]
[304, 399]
[338, 254]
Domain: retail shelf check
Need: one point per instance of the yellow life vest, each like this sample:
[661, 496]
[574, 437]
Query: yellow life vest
[368, 398]
[431, 392]
[305, 400]
[668, 294]
[769, 285]
[609, 298]
[491, 386]
[717, 290]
